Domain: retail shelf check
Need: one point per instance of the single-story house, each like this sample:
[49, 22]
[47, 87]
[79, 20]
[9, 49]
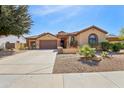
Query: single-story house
[114, 39]
[43, 41]
[92, 34]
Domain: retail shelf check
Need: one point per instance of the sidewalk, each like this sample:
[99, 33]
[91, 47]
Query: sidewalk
[77, 80]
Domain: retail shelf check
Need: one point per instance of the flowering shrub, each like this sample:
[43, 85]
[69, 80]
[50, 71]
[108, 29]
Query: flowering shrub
[87, 51]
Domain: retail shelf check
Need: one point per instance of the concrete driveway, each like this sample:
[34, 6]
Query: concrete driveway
[29, 62]
[33, 69]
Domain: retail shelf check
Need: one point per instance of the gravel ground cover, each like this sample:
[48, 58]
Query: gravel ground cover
[71, 63]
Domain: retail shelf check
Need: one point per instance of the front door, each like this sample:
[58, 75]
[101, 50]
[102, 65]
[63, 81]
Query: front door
[62, 43]
[33, 45]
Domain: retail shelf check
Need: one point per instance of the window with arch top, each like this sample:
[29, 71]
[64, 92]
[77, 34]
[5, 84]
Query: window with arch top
[93, 39]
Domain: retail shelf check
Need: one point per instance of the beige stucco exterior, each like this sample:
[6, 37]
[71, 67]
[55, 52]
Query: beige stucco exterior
[42, 37]
[63, 39]
[82, 37]
[29, 42]
[46, 37]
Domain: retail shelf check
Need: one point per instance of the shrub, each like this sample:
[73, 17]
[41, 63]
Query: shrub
[115, 47]
[104, 54]
[121, 45]
[105, 46]
[87, 51]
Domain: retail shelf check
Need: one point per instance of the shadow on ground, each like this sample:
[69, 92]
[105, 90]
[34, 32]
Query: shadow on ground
[89, 62]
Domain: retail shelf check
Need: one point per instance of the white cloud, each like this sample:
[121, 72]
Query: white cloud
[67, 15]
[62, 12]
[46, 10]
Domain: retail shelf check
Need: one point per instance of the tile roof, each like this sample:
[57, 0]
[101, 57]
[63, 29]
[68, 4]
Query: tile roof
[36, 36]
[83, 30]
[112, 36]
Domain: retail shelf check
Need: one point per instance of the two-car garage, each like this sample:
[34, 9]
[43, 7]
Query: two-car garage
[43, 41]
[48, 44]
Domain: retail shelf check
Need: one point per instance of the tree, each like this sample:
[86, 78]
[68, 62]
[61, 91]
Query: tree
[14, 20]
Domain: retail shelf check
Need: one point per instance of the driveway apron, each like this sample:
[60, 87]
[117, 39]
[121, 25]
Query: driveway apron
[29, 62]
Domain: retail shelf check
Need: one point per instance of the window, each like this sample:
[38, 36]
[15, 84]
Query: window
[93, 40]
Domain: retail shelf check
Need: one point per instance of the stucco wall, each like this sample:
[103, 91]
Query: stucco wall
[82, 38]
[47, 37]
[29, 42]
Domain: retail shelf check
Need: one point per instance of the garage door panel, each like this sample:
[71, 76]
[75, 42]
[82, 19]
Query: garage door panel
[48, 44]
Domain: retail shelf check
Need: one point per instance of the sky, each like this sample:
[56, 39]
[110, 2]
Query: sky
[71, 18]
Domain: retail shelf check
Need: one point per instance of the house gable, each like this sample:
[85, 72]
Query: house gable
[82, 36]
[92, 27]
[47, 36]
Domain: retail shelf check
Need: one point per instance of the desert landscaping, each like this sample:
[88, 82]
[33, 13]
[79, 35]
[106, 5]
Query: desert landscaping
[70, 63]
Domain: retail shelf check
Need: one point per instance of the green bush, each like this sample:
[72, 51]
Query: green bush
[115, 47]
[87, 51]
[104, 54]
[121, 45]
[105, 46]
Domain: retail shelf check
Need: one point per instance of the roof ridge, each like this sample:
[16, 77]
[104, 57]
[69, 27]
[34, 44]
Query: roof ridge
[93, 26]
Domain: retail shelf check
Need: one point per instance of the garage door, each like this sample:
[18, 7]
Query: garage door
[48, 44]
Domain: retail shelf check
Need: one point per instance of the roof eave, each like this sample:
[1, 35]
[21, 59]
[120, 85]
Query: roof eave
[92, 27]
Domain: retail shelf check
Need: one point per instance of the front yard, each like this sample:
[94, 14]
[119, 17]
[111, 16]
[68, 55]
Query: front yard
[71, 63]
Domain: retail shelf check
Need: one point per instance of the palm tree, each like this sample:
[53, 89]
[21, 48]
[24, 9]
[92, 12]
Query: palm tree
[14, 20]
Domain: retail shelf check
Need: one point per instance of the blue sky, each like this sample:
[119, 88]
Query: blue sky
[74, 18]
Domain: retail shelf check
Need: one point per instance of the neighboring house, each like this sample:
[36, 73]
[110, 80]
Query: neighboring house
[11, 39]
[114, 39]
[90, 35]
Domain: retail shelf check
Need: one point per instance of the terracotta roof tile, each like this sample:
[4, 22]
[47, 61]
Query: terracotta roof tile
[92, 27]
